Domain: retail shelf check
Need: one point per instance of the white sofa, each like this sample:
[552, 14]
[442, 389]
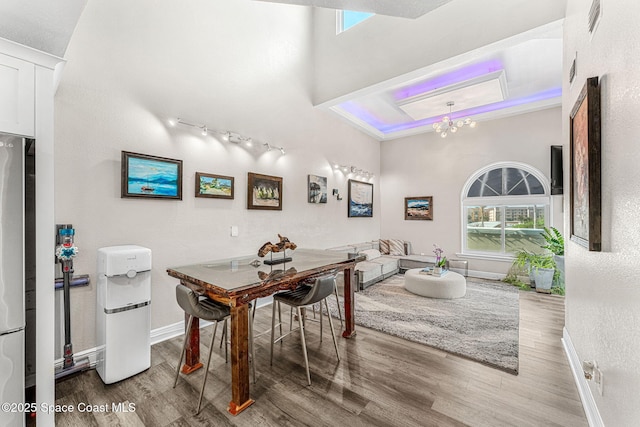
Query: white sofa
[378, 266]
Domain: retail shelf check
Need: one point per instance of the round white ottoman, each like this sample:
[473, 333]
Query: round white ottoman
[448, 286]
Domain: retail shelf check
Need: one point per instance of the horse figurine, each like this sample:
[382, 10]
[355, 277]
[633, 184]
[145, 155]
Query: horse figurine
[283, 244]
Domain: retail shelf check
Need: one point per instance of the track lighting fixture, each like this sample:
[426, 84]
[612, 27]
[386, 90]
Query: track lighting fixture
[233, 137]
[354, 171]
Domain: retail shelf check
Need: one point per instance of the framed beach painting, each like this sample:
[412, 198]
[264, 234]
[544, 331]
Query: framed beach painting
[586, 215]
[418, 208]
[214, 186]
[317, 189]
[148, 176]
[360, 199]
[264, 192]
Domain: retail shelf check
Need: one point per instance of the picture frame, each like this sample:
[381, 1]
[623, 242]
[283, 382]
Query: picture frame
[585, 190]
[418, 208]
[152, 177]
[316, 189]
[214, 186]
[360, 198]
[264, 192]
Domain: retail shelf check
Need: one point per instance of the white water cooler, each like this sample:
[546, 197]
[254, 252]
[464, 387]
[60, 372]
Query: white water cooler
[123, 323]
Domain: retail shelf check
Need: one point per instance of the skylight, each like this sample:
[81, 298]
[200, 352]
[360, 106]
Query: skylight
[350, 18]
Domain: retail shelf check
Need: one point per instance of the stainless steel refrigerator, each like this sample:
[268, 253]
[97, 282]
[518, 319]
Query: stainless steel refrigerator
[12, 307]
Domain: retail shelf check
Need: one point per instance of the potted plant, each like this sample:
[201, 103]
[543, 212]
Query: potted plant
[555, 244]
[440, 260]
[543, 268]
[522, 261]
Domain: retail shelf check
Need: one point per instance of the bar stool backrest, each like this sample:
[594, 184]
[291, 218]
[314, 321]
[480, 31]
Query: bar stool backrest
[322, 288]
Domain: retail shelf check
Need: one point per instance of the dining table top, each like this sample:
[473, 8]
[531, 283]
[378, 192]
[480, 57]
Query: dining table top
[233, 275]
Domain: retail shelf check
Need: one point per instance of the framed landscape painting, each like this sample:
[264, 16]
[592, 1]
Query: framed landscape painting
[360, 199]
[585, 167]
[214, 186]
[317, 189]
[264, 192]
[418, 208]
[148, 176]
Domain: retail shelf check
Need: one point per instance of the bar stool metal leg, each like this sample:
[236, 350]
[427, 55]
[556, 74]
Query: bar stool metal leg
[206, 369]
[335, 289]
[333, 332]
[184, 347]
[304, 344]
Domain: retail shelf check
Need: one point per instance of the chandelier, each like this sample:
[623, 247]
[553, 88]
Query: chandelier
[447, 126]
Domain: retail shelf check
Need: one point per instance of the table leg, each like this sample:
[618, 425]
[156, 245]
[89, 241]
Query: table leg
[192, 355]
[240, 399]
[349, 300]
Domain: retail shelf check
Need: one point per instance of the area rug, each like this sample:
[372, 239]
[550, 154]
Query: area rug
[481, 326]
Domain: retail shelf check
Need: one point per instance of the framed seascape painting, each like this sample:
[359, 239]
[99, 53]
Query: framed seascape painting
[214, 186]
[360, 199]
[585, 167]
[264, 192]
[148, 176]
[317, 189]
[418, 208]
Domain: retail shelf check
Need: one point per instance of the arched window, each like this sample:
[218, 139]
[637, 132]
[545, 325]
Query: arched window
[504, 209]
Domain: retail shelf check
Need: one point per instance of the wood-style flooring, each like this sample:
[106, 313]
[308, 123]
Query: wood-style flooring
[380, 381]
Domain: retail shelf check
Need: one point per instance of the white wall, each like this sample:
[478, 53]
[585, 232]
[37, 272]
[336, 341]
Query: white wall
[427, 165]
[383, 47]
[603, 296]
[243, 66]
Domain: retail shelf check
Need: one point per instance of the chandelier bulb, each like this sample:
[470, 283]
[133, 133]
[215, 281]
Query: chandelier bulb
[460, 123]
[445, 119]
[443, 134]
[473, 124]
[454, 129]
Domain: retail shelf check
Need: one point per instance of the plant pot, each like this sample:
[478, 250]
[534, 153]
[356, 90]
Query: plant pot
[560, 267]
[437, 270]
[543, 278]
[532, 280]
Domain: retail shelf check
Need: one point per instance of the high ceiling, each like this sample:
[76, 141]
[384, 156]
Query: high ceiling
[514, 76]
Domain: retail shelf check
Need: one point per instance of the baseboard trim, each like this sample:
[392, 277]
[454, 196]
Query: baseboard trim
[588, 402]
[486, 275]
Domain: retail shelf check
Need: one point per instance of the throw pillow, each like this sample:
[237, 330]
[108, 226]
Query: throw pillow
[384, 247]
[396, 247]
[370, 254]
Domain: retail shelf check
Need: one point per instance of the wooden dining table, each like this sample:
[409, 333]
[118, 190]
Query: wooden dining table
[237, 281]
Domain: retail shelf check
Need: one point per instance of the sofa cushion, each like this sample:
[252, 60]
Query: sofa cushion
[388, 264]
[368, 270]
[370, 254]
[396, 247]
[384, 247]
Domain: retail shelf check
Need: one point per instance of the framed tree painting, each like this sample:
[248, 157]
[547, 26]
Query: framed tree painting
[418, 208]
[360, 199]
[317, 189]
[214, 186]
[264, 192]
[585, 199]
[148, 176]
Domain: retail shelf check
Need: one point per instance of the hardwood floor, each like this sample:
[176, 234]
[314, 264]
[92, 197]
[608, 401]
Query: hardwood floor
[381, 381]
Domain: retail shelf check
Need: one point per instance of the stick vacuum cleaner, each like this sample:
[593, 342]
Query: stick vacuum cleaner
[65, 252]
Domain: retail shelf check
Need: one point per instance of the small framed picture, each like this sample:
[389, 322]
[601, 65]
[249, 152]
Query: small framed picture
[214, 186]
[148, 176]
[418, 208]
[264, 192]
[317, 188]
[360, 199]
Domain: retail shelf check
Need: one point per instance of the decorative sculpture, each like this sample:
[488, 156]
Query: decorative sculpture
[281, 246]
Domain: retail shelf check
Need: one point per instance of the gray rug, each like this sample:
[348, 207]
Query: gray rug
[482, 326]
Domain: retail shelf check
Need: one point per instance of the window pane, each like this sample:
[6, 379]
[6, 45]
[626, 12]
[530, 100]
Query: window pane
[523, 228]
[484, 228]
[535, 186]
[351, 18]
